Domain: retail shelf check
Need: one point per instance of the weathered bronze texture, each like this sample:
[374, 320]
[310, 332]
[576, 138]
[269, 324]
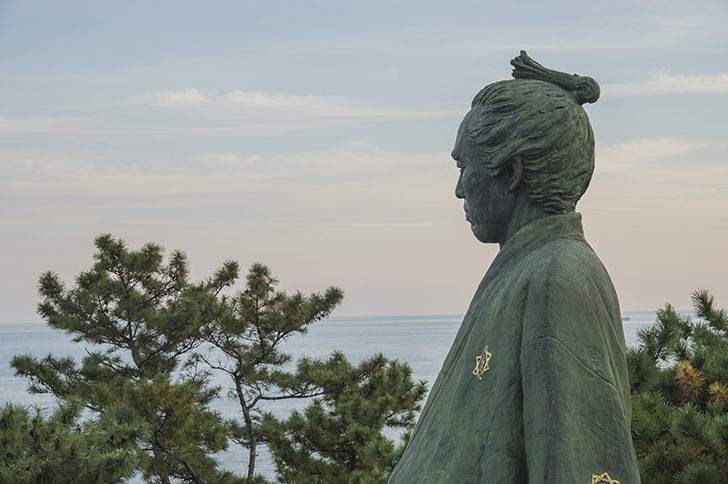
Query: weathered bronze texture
[548, 401]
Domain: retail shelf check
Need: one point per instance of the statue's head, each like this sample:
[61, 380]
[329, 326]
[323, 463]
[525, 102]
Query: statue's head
[532, 136]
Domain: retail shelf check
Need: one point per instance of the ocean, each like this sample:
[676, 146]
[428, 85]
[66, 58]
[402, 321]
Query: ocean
[421, 341]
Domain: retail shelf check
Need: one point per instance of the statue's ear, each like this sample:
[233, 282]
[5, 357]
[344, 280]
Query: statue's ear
[514, 173]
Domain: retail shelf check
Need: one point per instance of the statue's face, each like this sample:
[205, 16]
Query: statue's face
[489, 204]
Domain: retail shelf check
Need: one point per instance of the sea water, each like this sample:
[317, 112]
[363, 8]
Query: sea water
[421, 341]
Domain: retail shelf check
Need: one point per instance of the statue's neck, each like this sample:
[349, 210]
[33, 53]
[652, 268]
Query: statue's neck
[525, 213]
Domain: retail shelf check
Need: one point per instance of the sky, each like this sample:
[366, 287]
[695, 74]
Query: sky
[315, 137]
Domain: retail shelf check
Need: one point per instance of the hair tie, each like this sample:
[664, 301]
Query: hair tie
[584, 89]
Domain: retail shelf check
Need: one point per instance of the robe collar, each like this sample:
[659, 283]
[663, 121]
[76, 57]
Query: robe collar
[538, 233]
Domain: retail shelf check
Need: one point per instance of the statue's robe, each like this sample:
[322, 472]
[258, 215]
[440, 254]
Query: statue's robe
[552, 405]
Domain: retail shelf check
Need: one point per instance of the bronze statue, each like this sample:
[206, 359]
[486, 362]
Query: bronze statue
[534, 388]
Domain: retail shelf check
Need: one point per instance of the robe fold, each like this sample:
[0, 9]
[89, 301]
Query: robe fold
[534, 388]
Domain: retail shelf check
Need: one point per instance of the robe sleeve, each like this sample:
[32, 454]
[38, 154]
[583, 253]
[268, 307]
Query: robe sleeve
[576, 406]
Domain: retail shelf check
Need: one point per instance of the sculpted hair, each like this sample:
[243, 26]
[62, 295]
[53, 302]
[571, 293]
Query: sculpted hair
[537, 118]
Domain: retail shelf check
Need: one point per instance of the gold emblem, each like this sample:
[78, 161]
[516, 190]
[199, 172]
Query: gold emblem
[603, 478]
[481, 364]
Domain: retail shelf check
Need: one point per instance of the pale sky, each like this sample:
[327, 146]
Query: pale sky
[315, 137]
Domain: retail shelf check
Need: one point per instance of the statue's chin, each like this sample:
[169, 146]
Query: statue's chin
[483, 235]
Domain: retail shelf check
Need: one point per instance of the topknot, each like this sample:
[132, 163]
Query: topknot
[583, 89]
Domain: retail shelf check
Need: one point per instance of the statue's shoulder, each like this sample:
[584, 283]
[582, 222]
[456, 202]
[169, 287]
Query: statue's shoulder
[567, 271]
[556, 250]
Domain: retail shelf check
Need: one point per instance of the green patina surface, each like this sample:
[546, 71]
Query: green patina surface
[554, 406]
[535, 388]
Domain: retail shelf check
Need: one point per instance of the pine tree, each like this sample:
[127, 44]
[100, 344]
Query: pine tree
[140, 318]
[679, 381]
[341, 436]
[145, 381]
[249, 336]
[61, 449]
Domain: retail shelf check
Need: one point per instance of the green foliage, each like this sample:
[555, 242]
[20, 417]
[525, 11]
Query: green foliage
[153, 338]
[339, 438]
[258, 319]
[140, 316]
[133, 305]
[60, 449]
[184, 434]
[679, 382]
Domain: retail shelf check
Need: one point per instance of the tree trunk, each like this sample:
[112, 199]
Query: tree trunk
[252, 437]
[251, 456]
[162, 474]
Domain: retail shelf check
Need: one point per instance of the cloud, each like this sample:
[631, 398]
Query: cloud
[348, 173]
[307, 105]
[664, 83]
[275, 101]
[650, 184]
[229, 159]
[38, 125]
[618, 156]
[234, 112]
[681, 22]
[188, 97]
[664, 173]
[286, 105]
[93, 127]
